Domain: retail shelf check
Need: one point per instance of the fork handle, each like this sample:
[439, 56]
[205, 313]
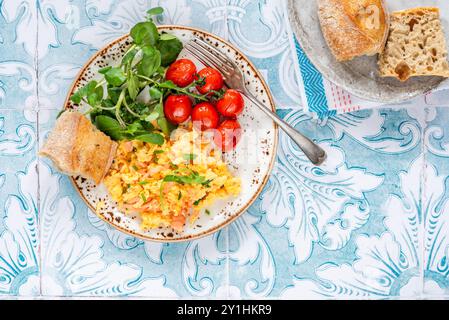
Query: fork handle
[315, 154]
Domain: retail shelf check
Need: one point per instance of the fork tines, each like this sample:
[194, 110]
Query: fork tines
[209, 56]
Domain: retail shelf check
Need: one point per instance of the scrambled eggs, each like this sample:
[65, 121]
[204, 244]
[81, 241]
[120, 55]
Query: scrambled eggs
[169, 183]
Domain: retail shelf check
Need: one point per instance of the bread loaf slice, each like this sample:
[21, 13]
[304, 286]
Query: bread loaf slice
[77, 147]
[416, 45]
[353, 28]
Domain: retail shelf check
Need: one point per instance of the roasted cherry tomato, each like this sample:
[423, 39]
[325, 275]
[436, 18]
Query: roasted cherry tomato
[231, 104]
[177, 108]
[228, 135]
[212, 78]
[182, 72]
[205, 116]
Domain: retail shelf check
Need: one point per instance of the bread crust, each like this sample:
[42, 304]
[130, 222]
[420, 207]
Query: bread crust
[354, 28]
[417, 9]
[76, 147]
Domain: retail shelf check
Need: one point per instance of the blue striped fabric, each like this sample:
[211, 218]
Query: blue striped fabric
[313, 85]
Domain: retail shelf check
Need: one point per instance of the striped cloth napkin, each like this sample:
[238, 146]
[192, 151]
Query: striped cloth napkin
[324, 98]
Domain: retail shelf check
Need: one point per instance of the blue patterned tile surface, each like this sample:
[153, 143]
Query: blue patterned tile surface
[19, 236]
[372, 222]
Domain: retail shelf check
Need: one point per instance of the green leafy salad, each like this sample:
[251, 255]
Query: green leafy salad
[114, 104]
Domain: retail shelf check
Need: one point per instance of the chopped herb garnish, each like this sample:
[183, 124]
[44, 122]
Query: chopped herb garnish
[179, 195]
[173, 166]
[155, 157]
[193, 178]
[207, 212]
[142, 196]
[197, 202]
[190, 157]
[207, 183]
[143, 182]
[135, 168]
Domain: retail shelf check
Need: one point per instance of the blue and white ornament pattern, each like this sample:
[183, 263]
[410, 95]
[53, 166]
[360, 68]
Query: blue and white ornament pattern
[372, 222]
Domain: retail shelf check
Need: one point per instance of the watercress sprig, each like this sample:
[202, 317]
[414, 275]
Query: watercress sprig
[114, 103]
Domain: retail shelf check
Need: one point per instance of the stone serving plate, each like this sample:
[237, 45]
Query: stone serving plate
[252, 160]
[360, 76]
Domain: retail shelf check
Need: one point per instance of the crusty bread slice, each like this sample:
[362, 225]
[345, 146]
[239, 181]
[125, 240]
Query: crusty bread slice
[76, 147]
[353, 28]
[416, 45]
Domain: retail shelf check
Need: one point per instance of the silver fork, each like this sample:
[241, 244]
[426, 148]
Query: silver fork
[235, 79]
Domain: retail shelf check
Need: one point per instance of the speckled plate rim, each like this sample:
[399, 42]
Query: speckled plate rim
[255, 195]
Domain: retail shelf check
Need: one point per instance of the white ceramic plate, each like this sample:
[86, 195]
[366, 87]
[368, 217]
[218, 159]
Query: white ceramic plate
[252, 160]
[360, 76]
